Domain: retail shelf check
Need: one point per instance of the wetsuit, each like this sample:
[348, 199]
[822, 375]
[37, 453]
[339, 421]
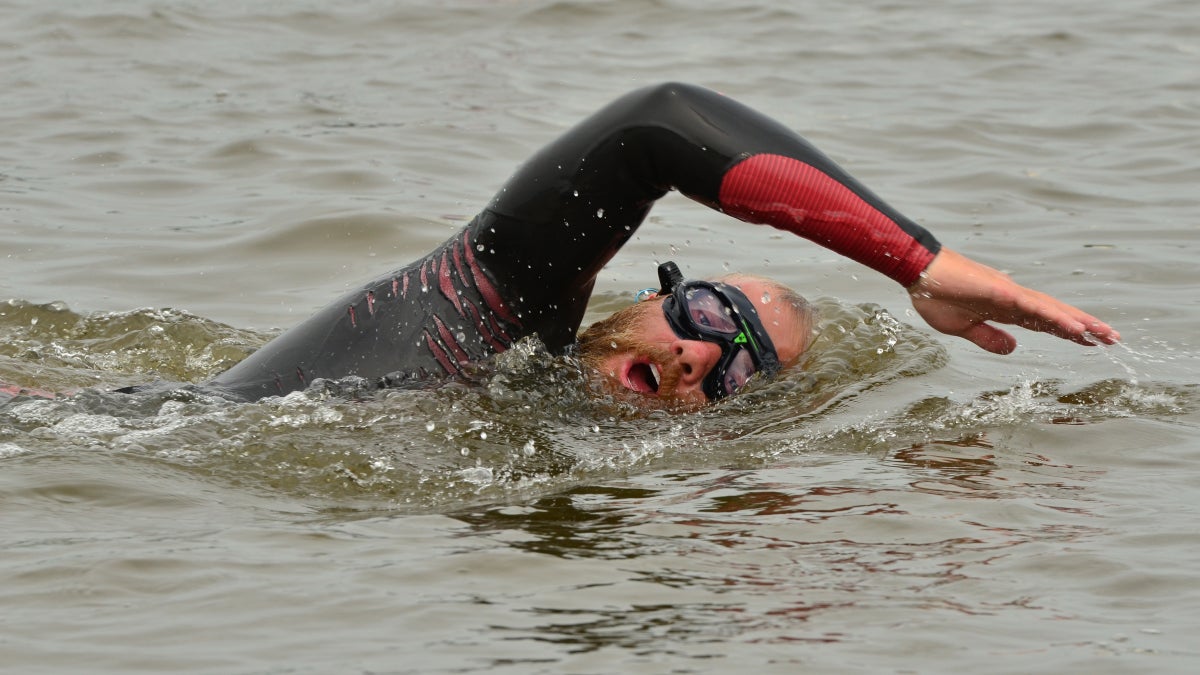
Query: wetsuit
[527, 263]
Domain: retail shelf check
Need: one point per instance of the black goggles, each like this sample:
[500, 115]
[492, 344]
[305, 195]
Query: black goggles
[719, 313]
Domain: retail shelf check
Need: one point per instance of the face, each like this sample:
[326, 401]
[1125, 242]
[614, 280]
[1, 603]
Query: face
[651, 360]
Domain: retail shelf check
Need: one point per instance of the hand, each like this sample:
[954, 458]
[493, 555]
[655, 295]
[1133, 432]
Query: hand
[958, 296]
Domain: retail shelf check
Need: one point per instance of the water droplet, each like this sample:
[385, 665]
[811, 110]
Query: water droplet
[766, 297]
[528, 449]
[478, 247]
[483, 435]
[599, 213]
[465, 451]
[430, 426]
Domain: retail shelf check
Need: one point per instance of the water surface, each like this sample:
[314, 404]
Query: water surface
[181, 181]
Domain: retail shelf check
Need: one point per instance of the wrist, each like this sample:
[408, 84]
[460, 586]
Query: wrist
[926, 277]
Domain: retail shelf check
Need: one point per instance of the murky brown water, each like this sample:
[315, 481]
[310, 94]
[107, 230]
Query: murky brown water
[904, 503]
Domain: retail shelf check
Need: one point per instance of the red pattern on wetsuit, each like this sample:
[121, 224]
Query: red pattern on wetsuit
[452, 280]
[446, 285]
[794, 196]
[487, 291]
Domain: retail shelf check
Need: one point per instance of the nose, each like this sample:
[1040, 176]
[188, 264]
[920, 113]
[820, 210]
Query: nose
[694, 358]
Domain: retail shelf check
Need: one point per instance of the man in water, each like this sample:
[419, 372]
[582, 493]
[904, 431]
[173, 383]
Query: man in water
[526, 265]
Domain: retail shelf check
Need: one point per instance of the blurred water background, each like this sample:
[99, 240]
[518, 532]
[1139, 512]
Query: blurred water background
[179, 181]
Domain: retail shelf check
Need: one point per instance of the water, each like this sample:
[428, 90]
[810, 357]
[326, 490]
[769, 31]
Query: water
[902, 503]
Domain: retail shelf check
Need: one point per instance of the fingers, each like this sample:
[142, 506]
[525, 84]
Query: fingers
[1105, 333]
[1049, 315]
[990, 338]
[1096, 334]
[957, 296]
[1096, 330]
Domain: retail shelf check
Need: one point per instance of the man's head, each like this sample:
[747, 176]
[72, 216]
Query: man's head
[638, 349]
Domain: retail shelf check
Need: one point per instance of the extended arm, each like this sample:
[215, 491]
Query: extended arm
[582, 197]
[567, 211]
[957, 296]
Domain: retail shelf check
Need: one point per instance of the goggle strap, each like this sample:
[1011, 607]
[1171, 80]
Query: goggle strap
[669, 276]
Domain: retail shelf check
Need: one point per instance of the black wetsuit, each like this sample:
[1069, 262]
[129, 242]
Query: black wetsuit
[527, 263]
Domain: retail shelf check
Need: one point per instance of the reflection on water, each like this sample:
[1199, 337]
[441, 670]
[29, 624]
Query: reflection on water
[766, 551]
[777, 544]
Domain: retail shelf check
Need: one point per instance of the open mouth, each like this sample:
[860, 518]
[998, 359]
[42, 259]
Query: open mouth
[643, 378]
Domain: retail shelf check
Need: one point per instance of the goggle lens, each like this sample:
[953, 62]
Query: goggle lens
[738, 372]
[708, 313]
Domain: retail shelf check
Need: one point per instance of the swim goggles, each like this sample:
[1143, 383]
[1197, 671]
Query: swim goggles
[719, 313]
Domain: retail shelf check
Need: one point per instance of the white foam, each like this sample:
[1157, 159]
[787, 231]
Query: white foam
[11, 450]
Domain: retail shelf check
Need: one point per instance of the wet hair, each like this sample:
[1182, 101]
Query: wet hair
[800, 307]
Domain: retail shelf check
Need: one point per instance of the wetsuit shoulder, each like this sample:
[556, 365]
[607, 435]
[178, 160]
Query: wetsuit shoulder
[425, 320]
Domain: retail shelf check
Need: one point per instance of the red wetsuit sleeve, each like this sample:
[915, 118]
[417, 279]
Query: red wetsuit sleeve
[568, 210]
[795, 196]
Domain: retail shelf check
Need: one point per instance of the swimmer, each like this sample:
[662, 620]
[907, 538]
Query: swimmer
[526, 265]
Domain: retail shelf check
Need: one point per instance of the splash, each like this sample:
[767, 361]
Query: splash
[525, 422]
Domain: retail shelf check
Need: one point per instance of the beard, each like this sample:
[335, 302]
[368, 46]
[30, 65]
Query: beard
[621, 333]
